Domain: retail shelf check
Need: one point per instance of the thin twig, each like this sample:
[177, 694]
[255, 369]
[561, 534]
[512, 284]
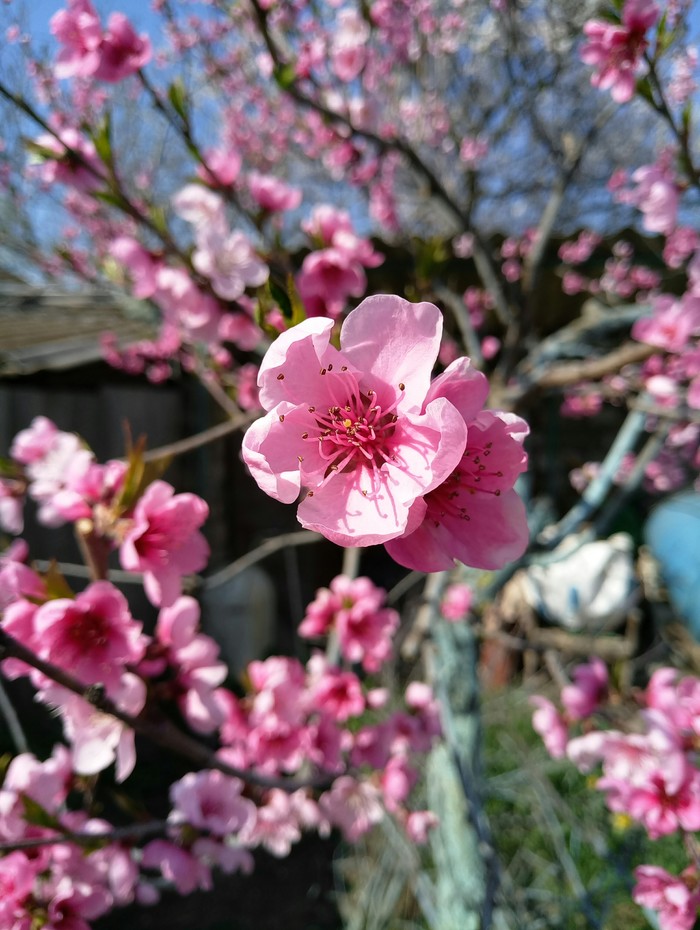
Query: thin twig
[117, 834]
[269, 547]
[211, 434]
[12, 720]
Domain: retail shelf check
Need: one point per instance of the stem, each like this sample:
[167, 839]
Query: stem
[201, 439]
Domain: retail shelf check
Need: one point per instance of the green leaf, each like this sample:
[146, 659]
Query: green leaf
[114, 200]
[102, 139]
[177, 95]
[8, 468]
[56, 585]
[298, 309]
[263, 306]
[281, 298]
[285, 76]
[37, 815]
[158, 218]
[139, 475]
[644, 90]
[40, 153]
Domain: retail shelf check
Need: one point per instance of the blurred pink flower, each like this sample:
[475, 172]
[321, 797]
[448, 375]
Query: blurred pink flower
[548, 722]
[589, 687]
[675, 898]
[273, 194]
[164, 541]
[615, 52]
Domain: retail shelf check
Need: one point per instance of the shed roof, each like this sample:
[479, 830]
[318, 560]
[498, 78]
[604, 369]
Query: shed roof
[43, 329]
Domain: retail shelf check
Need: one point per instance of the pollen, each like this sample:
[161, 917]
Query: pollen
[347, 424]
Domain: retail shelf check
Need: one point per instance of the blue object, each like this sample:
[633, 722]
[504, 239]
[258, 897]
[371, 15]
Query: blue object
[672, 532]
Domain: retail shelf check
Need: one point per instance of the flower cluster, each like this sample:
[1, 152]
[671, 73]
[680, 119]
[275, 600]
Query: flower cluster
[649, 775]
[616, 51]
[378, 453]
[353, 609]
[89, 51]
[335, 270]
[157, 534]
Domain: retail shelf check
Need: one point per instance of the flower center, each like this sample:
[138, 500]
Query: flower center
[472, 475]
[355, 433]
[87, 630]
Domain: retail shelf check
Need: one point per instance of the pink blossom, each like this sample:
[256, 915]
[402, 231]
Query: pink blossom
[353, 806]
[548, 722]
[490, 347]
[457, 602]
[88, 52]
[195, 661]
[365, 633]
[275, 825]
[327, 278]
[79, 31]
[247, 394]
[335, 692]
[573, 253]
[66, 463]
[222, 167]
[474, 515]
[472, 150]
[177, 865]
[676, 899]
[209, 800]
[17, 876]
[398, 778]
[680, 245]
[348, 52]
[419, 824]
[590, 686]
[657, 196]
[11, 506]
[683, 83]
[670, 326]
[140, 264]
[98, 739]
[93, 636]
[346, 426]
[186, 309]
[35, 442]
[201, 207]
[164, 541]
[229, 261]
[48, 782]
[616, 52]
[68, 158]
[122, 52]
[17, 579]
[325, 221]
[74, 903]
[271, 193]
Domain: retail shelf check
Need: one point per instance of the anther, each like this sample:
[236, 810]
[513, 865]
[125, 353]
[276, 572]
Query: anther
[304, 435]
[312, 409]
[402, 386]
[281, 418]
[330, 366]
[300, 458]
[280, 377]
[343, 367]
[323, 371]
